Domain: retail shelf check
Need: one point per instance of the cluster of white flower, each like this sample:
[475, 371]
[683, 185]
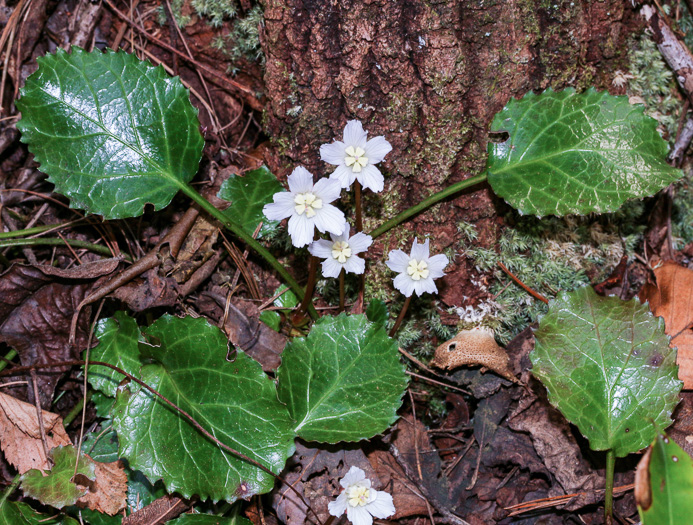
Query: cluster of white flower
[307, 206]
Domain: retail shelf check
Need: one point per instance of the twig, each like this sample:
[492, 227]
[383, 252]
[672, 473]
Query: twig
[39, 414]
[526, 288]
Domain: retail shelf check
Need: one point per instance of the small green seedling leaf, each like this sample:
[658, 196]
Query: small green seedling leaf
[344, 382]
[112, 132]
[248, 195]
[119, 339]
[102, 444]
[286, 300]
[574, 152]
[57, 488]
[16, 513]
[271, 319]
[664, 484]
[608, 368]
[206, 519]
[377, 312]
[235, 401]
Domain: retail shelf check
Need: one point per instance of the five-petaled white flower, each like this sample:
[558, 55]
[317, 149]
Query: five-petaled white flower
[360, 501]
[356, 156]
[417, 270]
[308, 206]
[341, 252]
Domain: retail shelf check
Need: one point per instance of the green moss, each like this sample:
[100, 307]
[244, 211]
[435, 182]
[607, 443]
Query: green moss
[548, 255]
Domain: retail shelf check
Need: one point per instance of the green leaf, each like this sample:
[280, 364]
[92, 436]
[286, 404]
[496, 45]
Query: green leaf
[112, 132]
[119, 339]
[103, 404]
[608, 368]
[344, 382]
[102, 444]
[248, 195]
[377, 312]
[574, 152]
[670, 499]
[141, 492]
[56, 488]
[271, 319]
[207, 519]
[235, 401]
[287, 300]
[14, 513]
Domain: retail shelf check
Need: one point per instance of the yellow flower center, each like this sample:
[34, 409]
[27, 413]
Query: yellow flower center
[357, 495]
[307, 203]
[417, 269]
[341, 251]
[355, 158]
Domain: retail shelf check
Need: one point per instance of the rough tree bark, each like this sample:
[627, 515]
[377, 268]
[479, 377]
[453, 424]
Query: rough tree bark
[429, 75]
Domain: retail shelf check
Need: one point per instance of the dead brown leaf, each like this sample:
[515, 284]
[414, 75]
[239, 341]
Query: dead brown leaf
[20, 437]
[108, 494]
[671, 297]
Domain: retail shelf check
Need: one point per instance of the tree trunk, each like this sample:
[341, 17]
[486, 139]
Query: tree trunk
[428, 75]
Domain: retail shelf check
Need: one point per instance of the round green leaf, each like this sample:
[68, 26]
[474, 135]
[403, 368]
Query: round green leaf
[671, 484]
[574, 152]
[235, 401]
[112, 132]
[16, 513]
[344, 382]
[248, 195]
[608, 368]
[119, 339]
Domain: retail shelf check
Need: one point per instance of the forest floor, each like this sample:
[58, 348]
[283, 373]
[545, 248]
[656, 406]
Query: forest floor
[470, 446]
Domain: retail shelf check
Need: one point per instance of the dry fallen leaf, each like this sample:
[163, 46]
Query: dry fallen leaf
[672, 298]
[20, 437]
[108, 494]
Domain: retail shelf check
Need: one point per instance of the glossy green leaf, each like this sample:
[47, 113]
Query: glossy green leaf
[93, 517]
[377, 312]
[670, 499]
[272, 319]
[102, 444]
[206, 519]
[103, 404]
[141, 492]
[235, 401]
[112, 132]
[119, 339]
[344, 382]
[574, 152]
[248, 195]
[14, 513]
[57, 488]
[286, 300]
[608, 368]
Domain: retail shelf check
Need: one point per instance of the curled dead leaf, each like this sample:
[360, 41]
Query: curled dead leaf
[643, 488]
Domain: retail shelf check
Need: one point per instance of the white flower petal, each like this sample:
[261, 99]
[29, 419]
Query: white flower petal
[344, 175]
[354, 134]
[425, 285]
[359, 515]
[419, 251]
[382, 507]
[352, 477]
[436, 265]
[344, 236]
[327, 189]
[280, 209]
[331, 267]
[333, 153]
[404, 284]
[300, 180]
[329, 219]
[355, 265]
[360, 242]
[301, 230]
[338, 506]
[371, 178]
[397, 261]
[376, 149]
[321, 248]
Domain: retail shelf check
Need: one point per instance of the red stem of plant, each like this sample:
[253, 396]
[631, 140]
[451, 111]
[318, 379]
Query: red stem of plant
[341, 291]
[18, 369]
[526, 288]
[310, 285]
[357, 197]
[398, 322]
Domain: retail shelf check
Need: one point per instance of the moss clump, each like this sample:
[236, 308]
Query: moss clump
[548, 255]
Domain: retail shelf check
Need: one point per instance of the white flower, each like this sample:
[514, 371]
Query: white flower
[341, 252]
[417, 270]
[360, 501]
[307, 206]
[356, 157]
